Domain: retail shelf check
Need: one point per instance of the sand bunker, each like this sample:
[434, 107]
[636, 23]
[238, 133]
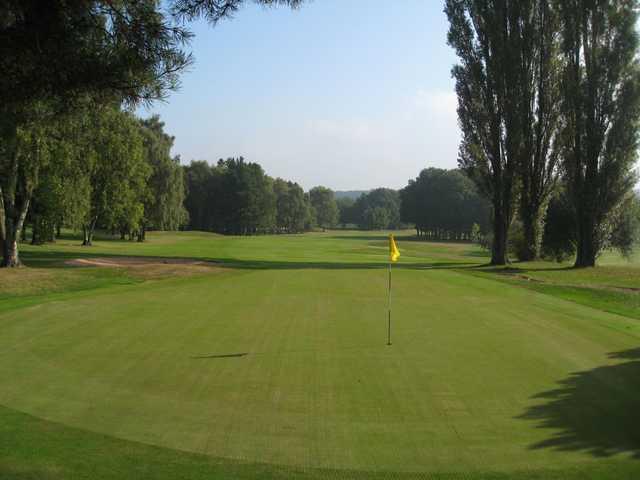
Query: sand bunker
[149, 267]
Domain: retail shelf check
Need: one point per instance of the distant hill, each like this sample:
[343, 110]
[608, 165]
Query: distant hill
[354, 194]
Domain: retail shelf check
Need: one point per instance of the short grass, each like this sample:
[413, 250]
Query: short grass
[276, 366]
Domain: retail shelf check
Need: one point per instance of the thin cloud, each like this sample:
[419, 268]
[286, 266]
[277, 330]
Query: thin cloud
[364, 152]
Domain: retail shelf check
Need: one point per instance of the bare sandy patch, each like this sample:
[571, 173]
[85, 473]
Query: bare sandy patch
[149, 268]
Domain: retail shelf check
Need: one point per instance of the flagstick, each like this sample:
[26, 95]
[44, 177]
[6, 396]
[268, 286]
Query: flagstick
[389, 307]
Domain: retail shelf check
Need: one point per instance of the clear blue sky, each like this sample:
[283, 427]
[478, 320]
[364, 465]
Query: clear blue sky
[351, 94]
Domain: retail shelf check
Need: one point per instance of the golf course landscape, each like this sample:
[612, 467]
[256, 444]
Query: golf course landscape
[309, 240]
[200, 356]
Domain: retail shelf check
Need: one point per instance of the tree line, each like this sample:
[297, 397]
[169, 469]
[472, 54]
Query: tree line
[444, 205]
[549, 103]
[378, 209]
[237, 197]
[102, 168]
[440, 204]
[61, 61]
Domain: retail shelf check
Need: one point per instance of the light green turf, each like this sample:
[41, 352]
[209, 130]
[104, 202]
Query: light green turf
[483, 376]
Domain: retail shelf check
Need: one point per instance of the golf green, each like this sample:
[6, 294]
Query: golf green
[278, 357]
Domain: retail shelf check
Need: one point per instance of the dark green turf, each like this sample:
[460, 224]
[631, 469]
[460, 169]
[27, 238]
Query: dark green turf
[41, 450]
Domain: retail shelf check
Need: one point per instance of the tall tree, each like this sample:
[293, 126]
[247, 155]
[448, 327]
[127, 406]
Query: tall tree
[164, 206]
[601, 111]
[23, 150]
[201, 186]
[118, 173]
[236, 197]
[324, 204]
[443, 205]
[347, 211]
[560, 231]
[292, 209]
[378, 209]
[57, 52]
[536, 58]
[246, 203]
[62, 195]
[483, 34]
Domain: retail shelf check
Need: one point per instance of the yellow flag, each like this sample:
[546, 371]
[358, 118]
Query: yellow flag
[394, 253]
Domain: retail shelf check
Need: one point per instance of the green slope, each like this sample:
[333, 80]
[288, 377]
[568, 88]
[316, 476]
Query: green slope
[277, 367]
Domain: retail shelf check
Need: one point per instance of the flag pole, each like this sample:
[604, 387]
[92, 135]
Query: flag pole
[389, 309]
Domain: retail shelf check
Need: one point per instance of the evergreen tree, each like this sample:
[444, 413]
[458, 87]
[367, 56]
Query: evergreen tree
[201, 188]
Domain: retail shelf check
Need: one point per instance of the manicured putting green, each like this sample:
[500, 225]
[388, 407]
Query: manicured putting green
[284, 362]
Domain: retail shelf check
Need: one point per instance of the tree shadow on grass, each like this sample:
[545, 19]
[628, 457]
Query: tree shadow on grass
[49, 259]
[514, 268]
[596, 411]
[298, 265]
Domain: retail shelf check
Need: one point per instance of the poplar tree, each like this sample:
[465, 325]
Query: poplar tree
[537, 51]
[601, 111]
[508, 95]
[487, 85]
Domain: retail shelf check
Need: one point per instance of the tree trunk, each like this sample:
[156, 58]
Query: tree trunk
[88, 233]
[142, 236]
[12, 231]
[86, 239]
[532, 236]
[2, 220]
[586, 251]
[500, 239]
[10, 257]
[16, 190]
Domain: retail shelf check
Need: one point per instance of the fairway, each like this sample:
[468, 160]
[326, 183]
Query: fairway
[275, 363]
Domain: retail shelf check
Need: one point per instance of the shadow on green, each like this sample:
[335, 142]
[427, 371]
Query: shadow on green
[595, 411]
[49, 259]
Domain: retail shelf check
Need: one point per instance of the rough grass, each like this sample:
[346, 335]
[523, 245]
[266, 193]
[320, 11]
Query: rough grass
[278, 368]
[613, 286]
